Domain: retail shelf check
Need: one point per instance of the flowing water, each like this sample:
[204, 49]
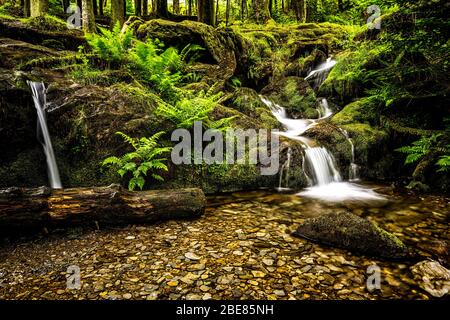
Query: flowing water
[319, 74]
[40, 101]
[325, 181]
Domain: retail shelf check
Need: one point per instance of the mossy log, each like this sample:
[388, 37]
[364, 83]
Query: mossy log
[22, 208]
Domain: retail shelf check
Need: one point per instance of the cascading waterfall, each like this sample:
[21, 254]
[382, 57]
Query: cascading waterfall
[40, 101]
[285, 169]
[326, 182]
[353, 170]
[321, 72]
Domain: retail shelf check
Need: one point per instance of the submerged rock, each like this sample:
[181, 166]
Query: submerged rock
[432, 277]
[348, 231]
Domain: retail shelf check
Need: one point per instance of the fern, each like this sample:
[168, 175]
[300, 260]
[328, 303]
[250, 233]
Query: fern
[419, 148]
[111, 46]
[145, 158]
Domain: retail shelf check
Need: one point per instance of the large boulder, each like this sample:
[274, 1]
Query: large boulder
[348, 231]
[217, 62]
[295, 95]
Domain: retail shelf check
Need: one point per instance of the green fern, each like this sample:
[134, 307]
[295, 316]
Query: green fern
[419, 148]
[143, 160]
[111, 46]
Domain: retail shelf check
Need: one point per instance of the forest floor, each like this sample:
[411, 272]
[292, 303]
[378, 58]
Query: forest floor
[240, 249]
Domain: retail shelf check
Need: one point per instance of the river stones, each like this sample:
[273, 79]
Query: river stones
[432, 277]
[348, 231]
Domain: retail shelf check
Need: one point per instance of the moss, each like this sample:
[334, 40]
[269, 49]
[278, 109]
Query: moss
[48, 23]
[360, 111]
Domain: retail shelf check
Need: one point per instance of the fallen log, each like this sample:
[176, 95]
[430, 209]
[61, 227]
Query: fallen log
[23, 208]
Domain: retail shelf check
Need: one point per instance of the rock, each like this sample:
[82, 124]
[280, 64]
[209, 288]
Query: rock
[351, 232]
[258, 274]
[207, 296]
[295, 95]
[127, 296]
[172, 283]
[279, 293]
[268, 262]
[191, 256]
[432, 277]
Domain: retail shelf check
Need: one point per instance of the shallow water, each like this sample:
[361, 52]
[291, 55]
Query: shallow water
[242, 249]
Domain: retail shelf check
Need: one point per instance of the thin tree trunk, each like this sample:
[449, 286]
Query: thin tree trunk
[88, 16]
[145, 7]
[189, 7]
[80, 4]
[260, 11]
[176, 7]
[138, 7]
[95, 7]
[26, 8]
[100, 7]
[227, 13]
[38, 8]
[243, 8]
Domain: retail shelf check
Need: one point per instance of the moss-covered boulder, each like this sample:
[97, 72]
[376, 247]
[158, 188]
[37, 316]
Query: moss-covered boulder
[295, 95]
[348, 231]
[248, 102]
[217, 62]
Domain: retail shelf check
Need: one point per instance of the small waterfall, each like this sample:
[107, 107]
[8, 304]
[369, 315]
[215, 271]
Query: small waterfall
[353, 170]
[321, 72]
[322, 164]
[324, 109]
[285, 168]
[40, 100]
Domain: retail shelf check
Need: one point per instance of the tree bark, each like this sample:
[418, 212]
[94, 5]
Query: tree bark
[144, 7]
[100, 7]
[176, 7]
[161, 8]
[138, 7]
[227, 13]
[113, 205]
[189, 7]
[260, 11]
[95, 6]
[38, 7]
[88, 16]
[243, 8]
[26, 8]
[117, 12]
[205, 9]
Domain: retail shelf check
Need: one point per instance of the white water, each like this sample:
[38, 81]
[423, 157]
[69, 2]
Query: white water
[320, 73]
[353, 170]
[285, 169]
[326, 182]
[39, 98]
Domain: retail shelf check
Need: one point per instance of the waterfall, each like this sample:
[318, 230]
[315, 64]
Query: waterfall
[321, 72]
[353, 170]
[40, 101]
[325, 182]
[285, 168]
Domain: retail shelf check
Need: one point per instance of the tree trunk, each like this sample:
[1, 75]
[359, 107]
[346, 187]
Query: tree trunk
[117, 12]
[243, 8]
[260, 11]
[38, 7]
[227, 13]
[100, 7]
[94, 2]
[340, 6]
[80, 4]
[65, 4]
[144, 7]
[26, 8]
[205, 11]
[161, 8]
[176, 7]
[299, 7]
[88, 16]
[138, 7]
[113, 205]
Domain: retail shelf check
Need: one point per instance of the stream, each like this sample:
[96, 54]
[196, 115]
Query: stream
[240, 249]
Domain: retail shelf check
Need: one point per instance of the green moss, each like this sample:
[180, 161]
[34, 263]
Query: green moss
[47, 23]
[360, 111]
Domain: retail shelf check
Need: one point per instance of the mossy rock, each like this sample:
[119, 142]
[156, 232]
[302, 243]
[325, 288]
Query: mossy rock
[247, 101]
[218, 59]
[348, 231]
[295, 95]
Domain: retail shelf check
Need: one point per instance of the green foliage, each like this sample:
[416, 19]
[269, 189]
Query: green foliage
[194, 107]
[143, 160]
[426, 145]
[111, 46]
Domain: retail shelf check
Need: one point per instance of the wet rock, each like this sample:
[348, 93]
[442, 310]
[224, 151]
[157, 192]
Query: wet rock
[351, 232]
[432, 277]
[294, 94]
